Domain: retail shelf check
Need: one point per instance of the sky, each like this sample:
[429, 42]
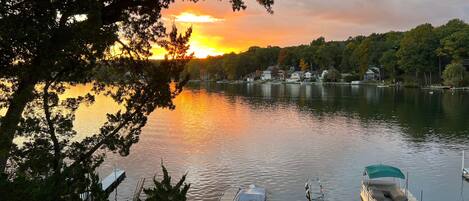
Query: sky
[218, 30]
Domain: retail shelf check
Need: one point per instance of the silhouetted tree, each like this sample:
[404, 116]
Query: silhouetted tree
[47, 47]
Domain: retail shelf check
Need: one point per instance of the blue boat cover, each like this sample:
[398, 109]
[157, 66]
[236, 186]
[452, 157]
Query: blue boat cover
[378, 171]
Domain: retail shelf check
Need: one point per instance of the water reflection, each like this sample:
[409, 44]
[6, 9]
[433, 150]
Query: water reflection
[277, 136]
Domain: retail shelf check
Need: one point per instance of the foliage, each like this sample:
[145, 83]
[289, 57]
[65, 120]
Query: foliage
[46, 48]
[389, 62]
[352, 77]
[303, 65]
[332, 75]
[413, 55]
[417, 50]
[164, 191]
[454, 74]
[457, 44]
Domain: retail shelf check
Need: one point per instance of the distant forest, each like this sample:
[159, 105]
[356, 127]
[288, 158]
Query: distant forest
[418, 56]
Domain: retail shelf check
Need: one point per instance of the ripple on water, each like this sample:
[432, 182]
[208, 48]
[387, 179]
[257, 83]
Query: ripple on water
[278, 140]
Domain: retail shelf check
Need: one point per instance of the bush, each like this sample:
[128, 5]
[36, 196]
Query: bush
[350, 78]
[164, 190]
[332, 75]
[454, 75]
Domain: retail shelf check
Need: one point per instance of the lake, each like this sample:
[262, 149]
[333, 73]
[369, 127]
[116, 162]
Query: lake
[278, 136]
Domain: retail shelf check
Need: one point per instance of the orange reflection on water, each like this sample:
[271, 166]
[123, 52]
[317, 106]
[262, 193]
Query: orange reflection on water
[198, 115]
[89, 118]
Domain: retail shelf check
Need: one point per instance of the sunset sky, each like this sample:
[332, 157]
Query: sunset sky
[218, 30]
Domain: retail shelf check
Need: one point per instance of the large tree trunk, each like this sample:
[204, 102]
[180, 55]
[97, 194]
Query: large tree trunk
[12, 117]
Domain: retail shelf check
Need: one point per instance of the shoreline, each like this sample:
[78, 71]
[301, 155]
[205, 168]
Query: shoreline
[380, 85]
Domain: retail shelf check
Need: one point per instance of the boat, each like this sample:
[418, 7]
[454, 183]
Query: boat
[355, 82]
[379, 184]
[292, 81]
[465, 171]
[251, 193]
[318, 194]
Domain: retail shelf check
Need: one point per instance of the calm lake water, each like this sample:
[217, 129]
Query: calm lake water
[278, 136]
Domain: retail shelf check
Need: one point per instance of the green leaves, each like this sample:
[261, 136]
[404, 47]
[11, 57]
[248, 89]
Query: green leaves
[455, 74]
[164, 190]
[417, 50]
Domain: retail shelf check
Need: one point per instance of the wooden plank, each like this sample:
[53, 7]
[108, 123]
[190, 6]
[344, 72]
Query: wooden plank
[112, 180]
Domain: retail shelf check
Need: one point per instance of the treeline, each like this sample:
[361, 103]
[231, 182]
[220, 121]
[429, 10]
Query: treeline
[417, 56]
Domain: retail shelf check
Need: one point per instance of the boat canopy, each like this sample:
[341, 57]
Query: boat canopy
[378, 171]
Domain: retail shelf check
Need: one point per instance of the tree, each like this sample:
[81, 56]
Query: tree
[456, 45]
[389, 62]
[50, 164]
[164, 191]
[417, 50]
[47, 47]
[333, 75]
[454, 74]
[303, 65]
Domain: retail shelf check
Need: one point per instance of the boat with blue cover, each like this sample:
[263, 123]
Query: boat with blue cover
[379, 184]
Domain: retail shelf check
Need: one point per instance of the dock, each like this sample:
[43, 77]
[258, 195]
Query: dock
[110, 182]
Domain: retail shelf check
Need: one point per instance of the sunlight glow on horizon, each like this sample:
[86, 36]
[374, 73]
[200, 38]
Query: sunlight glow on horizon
[201, 44]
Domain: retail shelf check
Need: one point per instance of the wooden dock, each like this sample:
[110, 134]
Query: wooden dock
[110, 182]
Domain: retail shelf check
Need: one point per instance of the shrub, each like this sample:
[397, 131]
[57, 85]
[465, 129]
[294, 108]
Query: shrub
[332, 75]
[454, 75]
[350, 78]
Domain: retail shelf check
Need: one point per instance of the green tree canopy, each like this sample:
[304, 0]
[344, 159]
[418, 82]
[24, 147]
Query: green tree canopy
[417, 50]
[454, 74]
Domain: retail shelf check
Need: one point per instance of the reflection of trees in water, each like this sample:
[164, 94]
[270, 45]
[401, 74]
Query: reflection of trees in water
[440, 117]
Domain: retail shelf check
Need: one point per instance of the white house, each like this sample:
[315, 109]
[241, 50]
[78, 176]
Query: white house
[373, 73]
[297, 75]
[266, 75]
[323, 75]
[308, 75]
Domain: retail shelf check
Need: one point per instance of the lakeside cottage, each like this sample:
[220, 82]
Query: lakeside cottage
[323, 75]
[266, 75]
[308, 75]
[296, 75]
[373, 73]
[281, 74]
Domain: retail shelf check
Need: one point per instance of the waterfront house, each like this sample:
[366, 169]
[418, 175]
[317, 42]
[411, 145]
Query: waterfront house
[297, 75]
[323, 75]
[266, 75]
[308, 75]
[373, 73]
[281, 75]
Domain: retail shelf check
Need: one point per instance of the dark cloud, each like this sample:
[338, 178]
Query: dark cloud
[300, 21]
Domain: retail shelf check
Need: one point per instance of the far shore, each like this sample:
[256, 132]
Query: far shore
[376, 83]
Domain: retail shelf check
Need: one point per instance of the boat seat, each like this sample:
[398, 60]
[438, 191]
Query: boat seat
[377, 194]
[397, 195]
